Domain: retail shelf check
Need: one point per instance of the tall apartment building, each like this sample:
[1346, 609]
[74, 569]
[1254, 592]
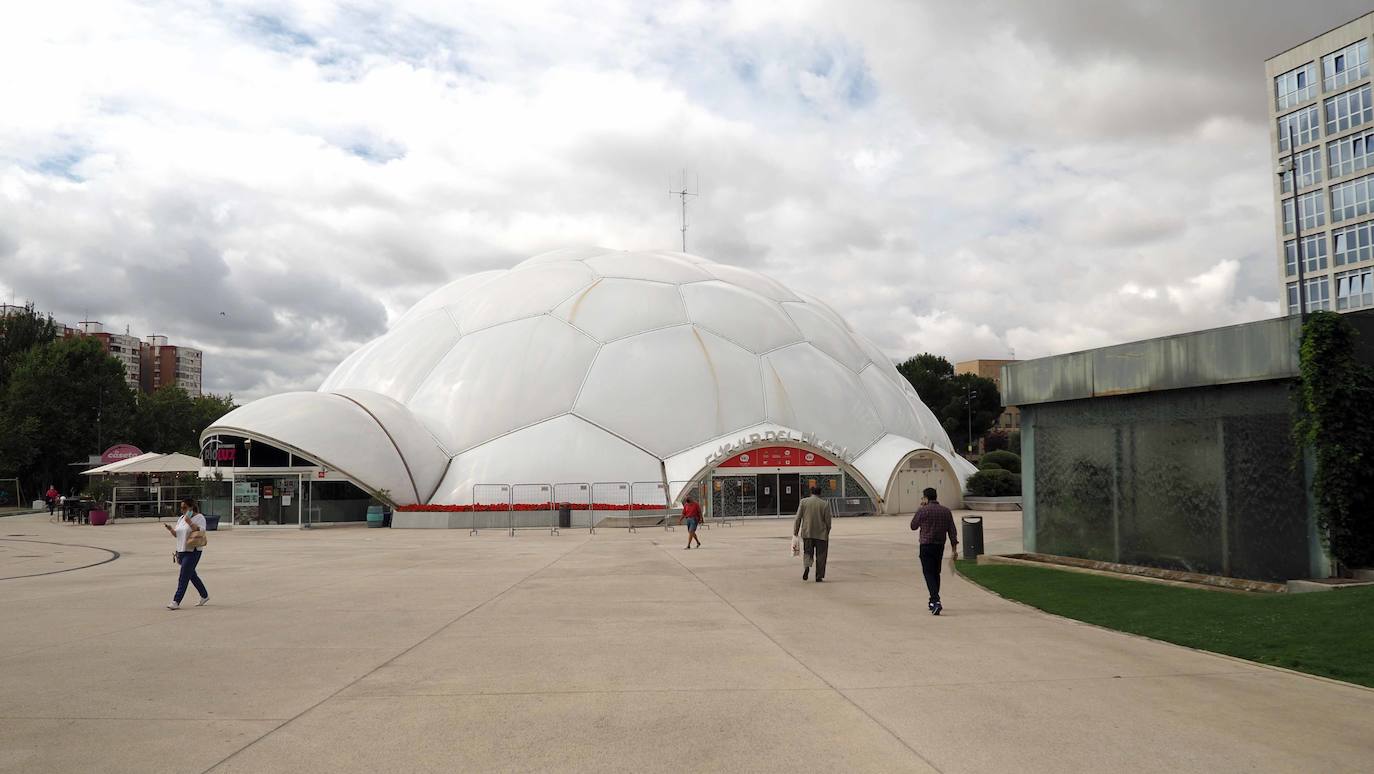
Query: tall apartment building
[1321, 91]
[165, 364]
[127, 349]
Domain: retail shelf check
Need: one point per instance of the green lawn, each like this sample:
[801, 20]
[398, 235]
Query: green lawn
[1329, 633]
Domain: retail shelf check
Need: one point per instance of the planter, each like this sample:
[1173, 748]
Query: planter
[98, 518]
[375, 516]
[211, 523]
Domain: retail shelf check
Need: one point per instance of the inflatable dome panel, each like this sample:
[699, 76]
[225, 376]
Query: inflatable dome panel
[740, 315]
[612, 308]
[503, 378]
[668, 389]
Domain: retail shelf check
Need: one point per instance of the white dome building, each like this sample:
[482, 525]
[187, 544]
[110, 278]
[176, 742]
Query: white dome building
[613, 379]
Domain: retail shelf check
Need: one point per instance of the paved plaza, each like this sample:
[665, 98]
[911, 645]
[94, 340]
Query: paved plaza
[352, 649]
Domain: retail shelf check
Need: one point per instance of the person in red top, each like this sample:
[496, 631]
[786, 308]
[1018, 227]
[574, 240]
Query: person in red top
[51, 496]
[934, 522]
[691, 513]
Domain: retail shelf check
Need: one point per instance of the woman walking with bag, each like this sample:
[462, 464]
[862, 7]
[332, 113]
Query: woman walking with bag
[190, 535]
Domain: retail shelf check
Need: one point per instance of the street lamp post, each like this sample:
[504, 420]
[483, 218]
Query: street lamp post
[1291, 166]
[969, 395]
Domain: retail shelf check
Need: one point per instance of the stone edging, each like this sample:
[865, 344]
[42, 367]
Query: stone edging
[1134, 572]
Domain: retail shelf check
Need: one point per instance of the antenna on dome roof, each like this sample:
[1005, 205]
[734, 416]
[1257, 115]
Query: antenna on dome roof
[683, 194]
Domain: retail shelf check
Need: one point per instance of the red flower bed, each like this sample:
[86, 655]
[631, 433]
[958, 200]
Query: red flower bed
[490, 507]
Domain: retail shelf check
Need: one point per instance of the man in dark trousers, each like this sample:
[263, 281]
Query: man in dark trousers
[813, 527]
[934, 522]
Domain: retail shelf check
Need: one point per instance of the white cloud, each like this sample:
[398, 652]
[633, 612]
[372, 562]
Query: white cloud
[963, 178]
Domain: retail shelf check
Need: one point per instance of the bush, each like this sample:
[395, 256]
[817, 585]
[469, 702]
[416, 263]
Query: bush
[990, 466]
[1014, 442]
[994, 483]
[1004, 460]
[996, 440]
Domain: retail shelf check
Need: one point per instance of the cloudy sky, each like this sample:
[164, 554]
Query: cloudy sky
[972, 179]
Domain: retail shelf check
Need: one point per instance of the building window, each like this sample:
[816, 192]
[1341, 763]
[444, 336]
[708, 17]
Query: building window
[1304, 124]
[1350, 154]
[1348, 65]
[1318, 295]
[1313, 211]
[1294, 86]
[1309, 163]
[1313, 255]
[1352, 244]
[1350, 199]
[1349, 110]
[1355, 289]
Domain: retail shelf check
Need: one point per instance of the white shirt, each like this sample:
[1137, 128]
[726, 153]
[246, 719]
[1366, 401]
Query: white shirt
[183, 529]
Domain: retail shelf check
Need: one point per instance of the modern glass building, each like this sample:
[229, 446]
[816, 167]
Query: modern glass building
[610, 380]
[1321, 94]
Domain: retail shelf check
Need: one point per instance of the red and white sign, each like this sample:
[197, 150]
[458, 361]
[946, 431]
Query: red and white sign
[120, 451]
[778, 457]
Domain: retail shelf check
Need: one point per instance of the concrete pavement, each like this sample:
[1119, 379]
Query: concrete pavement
[351, 649]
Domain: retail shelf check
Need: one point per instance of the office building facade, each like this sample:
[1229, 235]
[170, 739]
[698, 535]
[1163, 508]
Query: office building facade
[1322, 97]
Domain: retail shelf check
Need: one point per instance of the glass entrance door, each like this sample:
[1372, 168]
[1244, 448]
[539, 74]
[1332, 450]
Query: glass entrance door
[789, 493]
[766, 484]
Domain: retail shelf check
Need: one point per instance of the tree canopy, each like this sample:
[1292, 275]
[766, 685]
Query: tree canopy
[949, 396]
[66, 399]
[170, 420]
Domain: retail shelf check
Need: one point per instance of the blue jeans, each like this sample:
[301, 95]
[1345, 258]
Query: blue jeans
[189, 560]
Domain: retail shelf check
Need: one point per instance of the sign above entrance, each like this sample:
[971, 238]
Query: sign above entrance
[778, 457]
[120, 451]
[774, 436]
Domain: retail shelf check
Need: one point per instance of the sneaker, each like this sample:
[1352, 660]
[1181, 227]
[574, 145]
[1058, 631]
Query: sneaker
[806, 573]
[936, 608]
[203, 602]
[174, 606]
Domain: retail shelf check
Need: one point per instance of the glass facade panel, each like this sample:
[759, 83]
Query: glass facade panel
[1355, 289]
[1313, 254]
[1346, 66]
[1350, 199]
[1318, 295]
[1304, 124]
[1313, 211]
[1198, 480]
[1349, 110]
[1352, 244]
[1309, 163]
[1295, 86]
[1350, 154]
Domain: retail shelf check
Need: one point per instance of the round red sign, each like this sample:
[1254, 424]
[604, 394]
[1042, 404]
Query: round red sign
[120, 451]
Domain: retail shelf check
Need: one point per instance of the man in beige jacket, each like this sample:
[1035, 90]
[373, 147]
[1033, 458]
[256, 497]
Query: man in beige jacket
[813, 527]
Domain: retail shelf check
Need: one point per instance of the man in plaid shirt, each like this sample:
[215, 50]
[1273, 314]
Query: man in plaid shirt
[934, 522]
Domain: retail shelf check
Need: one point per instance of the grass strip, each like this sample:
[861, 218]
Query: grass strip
[1329, 633]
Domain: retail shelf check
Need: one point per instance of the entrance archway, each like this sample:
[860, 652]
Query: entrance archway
[770, 478]
[918, 470]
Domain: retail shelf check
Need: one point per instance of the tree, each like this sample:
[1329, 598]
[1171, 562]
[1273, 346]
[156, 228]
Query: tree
[931, 375]
[946, 393]
[956, 416]
[65, 400]
[20, 332]
[170, 420]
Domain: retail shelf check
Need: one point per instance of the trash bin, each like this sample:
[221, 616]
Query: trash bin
[564, 515]
[211, 523]
[374, 516]
[973, 536]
